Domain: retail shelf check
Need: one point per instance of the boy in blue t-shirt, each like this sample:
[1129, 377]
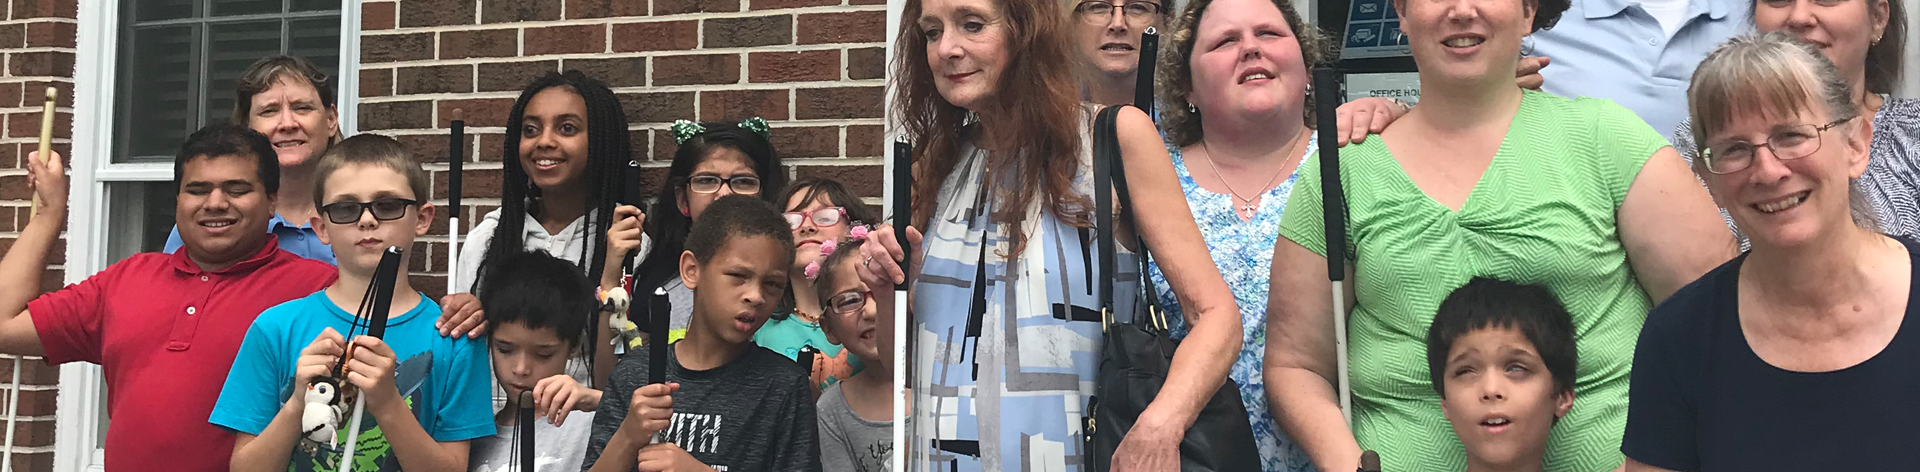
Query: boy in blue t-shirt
[426, 395]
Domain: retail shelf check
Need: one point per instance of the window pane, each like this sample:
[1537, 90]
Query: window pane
[244, 7]
[151, 10]
[315, 5]
[140, 215]
[158, 83]
[231, 48]
[318, 40]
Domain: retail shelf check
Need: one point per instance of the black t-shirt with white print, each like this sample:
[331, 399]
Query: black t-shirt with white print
[751, 415]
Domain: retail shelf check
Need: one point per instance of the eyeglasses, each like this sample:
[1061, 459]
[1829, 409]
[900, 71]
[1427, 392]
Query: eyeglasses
[1097, 12]
[1787, 144]
[741, 184]
[385, 209]
[822, 218]
[848, 302]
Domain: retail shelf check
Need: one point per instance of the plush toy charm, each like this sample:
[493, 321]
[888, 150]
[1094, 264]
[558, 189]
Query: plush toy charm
[323, 410]
[615, 301]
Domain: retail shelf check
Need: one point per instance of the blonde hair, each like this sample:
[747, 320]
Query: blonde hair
[1774, 73]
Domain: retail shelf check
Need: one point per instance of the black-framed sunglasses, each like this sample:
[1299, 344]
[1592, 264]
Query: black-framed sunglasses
[848, 302]
[822, 218]
[741, 184]
[1787, 144]
[385, 209]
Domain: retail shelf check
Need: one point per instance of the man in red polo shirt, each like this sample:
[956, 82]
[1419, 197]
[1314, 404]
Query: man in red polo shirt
[164, 327]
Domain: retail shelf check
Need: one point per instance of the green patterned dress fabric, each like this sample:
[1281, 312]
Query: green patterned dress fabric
[1543, 213]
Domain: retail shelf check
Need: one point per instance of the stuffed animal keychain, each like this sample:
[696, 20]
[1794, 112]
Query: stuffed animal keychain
[332, 403]
[324, 410]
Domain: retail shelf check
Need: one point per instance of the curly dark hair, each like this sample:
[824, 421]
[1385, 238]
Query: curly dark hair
[1174, 81]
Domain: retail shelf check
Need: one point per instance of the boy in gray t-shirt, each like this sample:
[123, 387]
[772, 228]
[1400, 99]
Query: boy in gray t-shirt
[851, 313]
[727, 404]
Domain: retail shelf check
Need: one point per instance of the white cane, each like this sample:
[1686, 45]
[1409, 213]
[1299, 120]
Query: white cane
[1333, 207]
[456, 153]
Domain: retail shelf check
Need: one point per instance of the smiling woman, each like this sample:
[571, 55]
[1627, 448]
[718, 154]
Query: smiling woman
[290, 101]
[1004, 299]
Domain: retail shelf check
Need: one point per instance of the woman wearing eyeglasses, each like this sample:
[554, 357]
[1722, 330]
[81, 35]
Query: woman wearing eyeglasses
[1802, 353]
[715, 159]
[823, 214]
[1865, 40]
[1108, 36]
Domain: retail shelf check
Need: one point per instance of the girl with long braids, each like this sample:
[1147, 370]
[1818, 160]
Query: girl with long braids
[564, 152]
[715, 159]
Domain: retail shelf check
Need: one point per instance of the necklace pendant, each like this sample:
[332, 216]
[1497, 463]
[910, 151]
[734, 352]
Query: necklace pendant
[1249, 210]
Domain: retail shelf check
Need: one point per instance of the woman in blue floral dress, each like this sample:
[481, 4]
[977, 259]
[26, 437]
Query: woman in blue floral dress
[1241, 64]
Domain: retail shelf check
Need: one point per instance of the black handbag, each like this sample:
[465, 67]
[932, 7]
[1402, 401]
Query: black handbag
[1137, 353]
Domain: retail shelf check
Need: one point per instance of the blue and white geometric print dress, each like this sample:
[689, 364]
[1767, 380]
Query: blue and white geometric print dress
[1002, 385]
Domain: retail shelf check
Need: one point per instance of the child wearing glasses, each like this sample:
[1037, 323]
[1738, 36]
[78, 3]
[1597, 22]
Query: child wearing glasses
[825, 216]
[715, 159]
[426, 394]
[856, 414]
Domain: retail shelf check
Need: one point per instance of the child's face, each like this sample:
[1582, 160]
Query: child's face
[725, 163]
[553, 138]
[849, 322]
[358, 245]
[522, 356]
[1499, 396]
[808, 236]
[734, 293]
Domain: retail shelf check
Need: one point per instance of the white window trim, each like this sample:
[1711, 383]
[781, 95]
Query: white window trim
[96, 51]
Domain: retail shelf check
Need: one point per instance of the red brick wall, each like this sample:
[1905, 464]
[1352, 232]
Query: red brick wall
[813, 68]
[37, 41]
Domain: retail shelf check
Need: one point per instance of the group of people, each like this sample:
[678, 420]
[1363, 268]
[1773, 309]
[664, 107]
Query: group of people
[245, 344]
[1694, 250]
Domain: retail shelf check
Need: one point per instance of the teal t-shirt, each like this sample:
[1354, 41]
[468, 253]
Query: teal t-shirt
[788, 335]
[447, 382]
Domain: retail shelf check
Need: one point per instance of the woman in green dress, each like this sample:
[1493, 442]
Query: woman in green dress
[1482, 179]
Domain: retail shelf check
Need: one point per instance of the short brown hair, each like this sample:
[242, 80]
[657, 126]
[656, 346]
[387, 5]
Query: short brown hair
[1175, 79]
[369, 149]
[263, 73]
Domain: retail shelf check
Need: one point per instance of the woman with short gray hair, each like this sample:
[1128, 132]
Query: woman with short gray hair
[1865, 40]
[1797, 354]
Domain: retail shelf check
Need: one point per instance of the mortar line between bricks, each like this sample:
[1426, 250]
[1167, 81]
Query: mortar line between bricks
[756, 86]
[622, 20]
[40, 49]
[648, 126]
[471, 61]
[23, 21]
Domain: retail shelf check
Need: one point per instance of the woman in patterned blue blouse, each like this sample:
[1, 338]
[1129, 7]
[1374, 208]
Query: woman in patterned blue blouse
[1242, 65]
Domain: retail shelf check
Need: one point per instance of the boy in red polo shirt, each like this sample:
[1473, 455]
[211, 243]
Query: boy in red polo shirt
[176, 319]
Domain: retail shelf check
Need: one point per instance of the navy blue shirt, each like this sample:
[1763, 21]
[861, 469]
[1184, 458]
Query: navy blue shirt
[1701, 400]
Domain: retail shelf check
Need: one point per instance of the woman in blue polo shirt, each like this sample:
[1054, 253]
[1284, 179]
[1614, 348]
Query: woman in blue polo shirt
[290, 101]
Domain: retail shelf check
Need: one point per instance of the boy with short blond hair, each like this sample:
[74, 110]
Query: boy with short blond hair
[426, 395]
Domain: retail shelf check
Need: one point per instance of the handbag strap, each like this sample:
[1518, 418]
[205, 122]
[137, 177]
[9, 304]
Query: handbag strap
[1109, 175]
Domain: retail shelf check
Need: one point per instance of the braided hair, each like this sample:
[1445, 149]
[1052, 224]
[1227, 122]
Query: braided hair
[608, 150]
[667, 227]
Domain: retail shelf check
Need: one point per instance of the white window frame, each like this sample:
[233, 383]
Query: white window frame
[95, 62]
